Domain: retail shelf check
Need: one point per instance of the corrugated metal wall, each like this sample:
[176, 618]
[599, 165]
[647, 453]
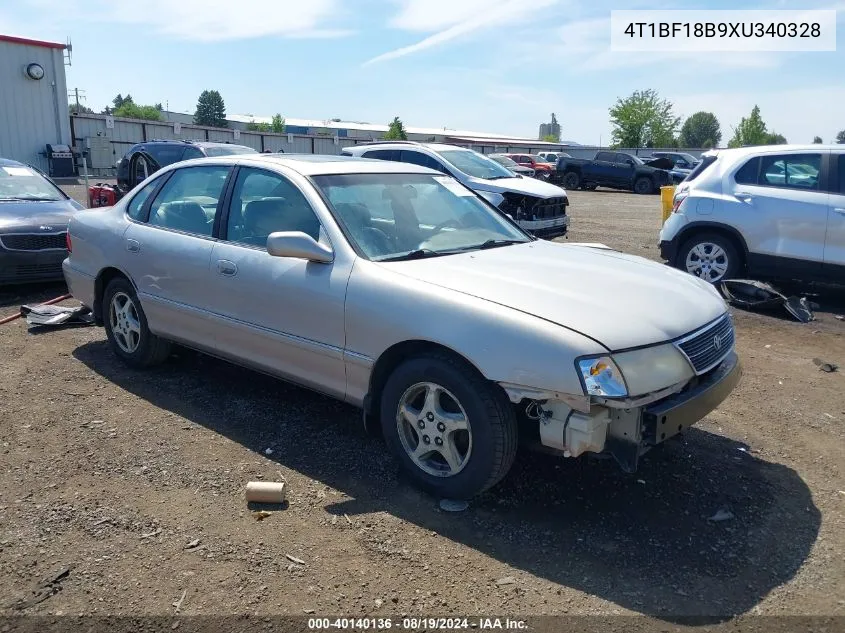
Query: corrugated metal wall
[32, 113]
[127, 132]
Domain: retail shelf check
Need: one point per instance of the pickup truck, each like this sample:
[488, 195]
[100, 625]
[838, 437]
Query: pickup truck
[614, 170]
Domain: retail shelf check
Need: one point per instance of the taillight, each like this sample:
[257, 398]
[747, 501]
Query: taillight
[676, 203]
[68, 243]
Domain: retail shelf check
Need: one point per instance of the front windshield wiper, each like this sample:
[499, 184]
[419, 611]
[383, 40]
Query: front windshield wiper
[499, 177]
[420, 253]
[491, 244]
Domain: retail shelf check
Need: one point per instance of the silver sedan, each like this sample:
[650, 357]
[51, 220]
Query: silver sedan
[401, 291]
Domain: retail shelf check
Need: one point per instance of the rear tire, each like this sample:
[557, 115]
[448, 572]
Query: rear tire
[709, 256]
[643, 185]
[126, 327]
[453, 432]
[571, 180]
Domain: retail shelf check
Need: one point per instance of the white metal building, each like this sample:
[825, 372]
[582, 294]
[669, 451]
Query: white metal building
[33, 99]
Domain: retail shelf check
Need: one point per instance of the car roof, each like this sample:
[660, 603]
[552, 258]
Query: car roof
[738, 152]
[317, 164]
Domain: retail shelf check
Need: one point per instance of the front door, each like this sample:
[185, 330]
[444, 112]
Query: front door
[168, 250]
[282, 315]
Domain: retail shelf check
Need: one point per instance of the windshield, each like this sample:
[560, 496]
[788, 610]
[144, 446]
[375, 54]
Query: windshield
[475, 164]
[18, 182]
[637, 159]
[228, 150]
[504, 160]
[394, 216]
[689, 158]
[541, 159]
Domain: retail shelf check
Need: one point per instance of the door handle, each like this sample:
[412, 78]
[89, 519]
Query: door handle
[839, 210]
[745, 197]
[133, 246]
[225, 267]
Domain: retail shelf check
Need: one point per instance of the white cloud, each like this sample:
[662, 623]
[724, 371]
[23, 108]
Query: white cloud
[207, 20]
[417, 15]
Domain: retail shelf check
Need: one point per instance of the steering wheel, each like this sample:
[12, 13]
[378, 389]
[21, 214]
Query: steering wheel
[450, 222]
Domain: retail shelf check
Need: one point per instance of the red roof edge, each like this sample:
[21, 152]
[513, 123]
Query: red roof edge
[28, 42]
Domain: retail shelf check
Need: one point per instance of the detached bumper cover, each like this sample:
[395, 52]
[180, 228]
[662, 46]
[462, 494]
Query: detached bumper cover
[634, 432]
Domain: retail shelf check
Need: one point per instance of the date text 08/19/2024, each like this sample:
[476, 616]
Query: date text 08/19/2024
[416, 623]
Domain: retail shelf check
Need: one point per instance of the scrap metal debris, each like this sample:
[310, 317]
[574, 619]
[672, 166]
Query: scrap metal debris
[756, 295]
[45, 589]
[53, 315]
[260, 515]
[294, 559]
[825, 367]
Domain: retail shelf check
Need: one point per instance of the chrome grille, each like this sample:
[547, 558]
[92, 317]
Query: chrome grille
[33, 241]
[707, 347]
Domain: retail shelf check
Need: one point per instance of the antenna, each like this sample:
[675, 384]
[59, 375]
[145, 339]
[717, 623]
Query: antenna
[68, 53]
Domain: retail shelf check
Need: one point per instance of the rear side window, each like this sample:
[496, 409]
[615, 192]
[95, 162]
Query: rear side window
[747, 174]
[608, 156]
[192, 152]
[792, 171]
[136, 205]
[705, 163]
[383, 154]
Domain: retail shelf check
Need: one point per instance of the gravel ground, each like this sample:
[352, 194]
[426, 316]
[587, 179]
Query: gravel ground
[135, 481]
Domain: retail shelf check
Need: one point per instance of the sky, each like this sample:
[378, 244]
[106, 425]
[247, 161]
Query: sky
[498, 66]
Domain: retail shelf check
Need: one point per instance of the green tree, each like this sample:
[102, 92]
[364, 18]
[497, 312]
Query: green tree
[753, 131]
[550, 138]
[643, 120]
[119, 100]
[817, 140]
[396, 131]
[252, 126]
[840, 138]
[211, 110]
[700, 130]
[132, 110]
[277, 124]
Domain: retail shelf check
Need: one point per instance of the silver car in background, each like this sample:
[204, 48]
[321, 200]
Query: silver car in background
[399, 290]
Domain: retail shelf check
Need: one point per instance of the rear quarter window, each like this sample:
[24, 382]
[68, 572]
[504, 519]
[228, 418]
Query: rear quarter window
[704, 165]
[747, 174]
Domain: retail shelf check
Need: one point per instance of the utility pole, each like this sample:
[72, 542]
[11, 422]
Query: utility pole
[76, 94]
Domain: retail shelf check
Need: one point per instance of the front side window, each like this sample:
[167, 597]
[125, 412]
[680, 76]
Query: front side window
[418, 158]
[265, 202]
[391, 215]
[19, 182]
[794, 171]
[188, 201]
[475, 164]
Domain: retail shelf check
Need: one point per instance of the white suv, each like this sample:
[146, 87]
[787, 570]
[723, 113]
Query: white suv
[773, 211]
[537, 207]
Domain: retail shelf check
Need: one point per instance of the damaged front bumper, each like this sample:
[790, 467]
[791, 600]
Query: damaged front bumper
[628, 429]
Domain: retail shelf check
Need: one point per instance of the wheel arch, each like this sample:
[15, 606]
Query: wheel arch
[104, 277]
[726, 231]
[391, 358]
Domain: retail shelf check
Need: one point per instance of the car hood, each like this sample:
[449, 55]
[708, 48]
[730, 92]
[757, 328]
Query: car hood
[524, 186]
[619, 300]
[24, 216]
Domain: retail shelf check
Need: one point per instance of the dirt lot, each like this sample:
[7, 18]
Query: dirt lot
[135, 480]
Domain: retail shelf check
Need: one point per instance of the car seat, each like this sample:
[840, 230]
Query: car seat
[182, 215]
[358, 220]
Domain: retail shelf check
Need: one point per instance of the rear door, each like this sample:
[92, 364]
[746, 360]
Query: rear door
[168, 250]
[781, 208]
[834, 247]
[601, 168]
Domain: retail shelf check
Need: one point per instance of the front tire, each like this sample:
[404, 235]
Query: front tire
[709, 256]
[453, 432]
[126, 327]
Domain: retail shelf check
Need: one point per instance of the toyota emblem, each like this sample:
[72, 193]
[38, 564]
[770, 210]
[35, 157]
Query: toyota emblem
[717, 342]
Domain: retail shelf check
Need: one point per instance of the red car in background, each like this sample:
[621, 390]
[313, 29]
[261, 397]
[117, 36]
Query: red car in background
[542, 169]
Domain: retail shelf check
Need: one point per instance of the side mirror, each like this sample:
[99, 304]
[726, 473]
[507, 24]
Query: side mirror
[299, 245]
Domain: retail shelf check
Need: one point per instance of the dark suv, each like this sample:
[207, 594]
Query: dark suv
[145, 158]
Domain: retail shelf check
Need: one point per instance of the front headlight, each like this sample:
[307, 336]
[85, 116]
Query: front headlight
[601, 377]
[653, 368]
